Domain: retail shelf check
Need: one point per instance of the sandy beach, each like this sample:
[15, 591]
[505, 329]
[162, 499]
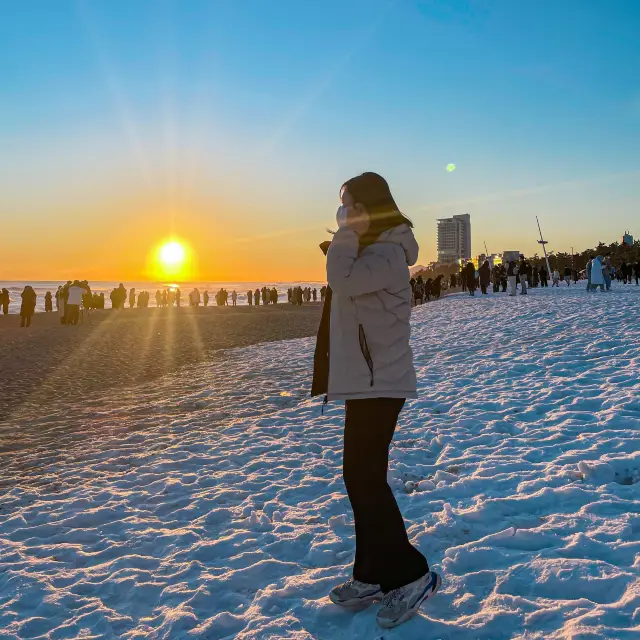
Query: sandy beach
[50, 363]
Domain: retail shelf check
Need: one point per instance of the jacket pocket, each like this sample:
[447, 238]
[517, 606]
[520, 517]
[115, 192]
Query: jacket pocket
[364, 347]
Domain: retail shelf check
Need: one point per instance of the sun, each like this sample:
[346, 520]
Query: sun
[172, 258]
[172, 254]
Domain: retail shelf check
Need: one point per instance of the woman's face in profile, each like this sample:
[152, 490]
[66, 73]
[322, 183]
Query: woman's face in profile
[347, 199]
[358, 218]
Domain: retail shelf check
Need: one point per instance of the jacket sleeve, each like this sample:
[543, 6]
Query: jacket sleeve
[351, 275]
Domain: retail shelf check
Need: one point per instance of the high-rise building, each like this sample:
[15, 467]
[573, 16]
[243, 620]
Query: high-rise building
[454, 239]
[627, 239]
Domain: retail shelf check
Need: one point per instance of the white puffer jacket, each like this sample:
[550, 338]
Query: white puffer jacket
[597, 277]
[369, 355]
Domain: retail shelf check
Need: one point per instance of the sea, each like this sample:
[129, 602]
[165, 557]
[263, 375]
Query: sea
[16, 287]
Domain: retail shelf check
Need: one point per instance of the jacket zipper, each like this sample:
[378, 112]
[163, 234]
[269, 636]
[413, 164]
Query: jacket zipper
[364, 347]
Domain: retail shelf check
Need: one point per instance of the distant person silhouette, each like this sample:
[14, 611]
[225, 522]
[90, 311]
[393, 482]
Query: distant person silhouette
[28, 306]
[470, 278]
[74, 300]
[485, 277]
[544, 277]
[512, 275]
[4, 301]
[436, 287]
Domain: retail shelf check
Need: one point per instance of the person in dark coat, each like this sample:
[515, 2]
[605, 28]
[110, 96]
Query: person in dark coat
[544, 277]
[428, 289]
[48, 302]
[485, 277]
[496, 275]
[4, 301]
[28, 306]
[453, 281]
[504, 280]
[436, 287]
[470, 278]
[524, 271]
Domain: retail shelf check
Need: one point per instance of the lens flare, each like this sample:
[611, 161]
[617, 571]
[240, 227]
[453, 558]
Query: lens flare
[451, 167]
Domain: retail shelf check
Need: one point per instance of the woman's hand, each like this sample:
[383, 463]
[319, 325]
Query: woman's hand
[354, 217]
[358, 220]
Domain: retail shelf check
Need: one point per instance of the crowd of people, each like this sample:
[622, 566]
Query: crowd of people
[298, 295]
[599, 272]
[266, 294]
[424, 290]
[75, 297]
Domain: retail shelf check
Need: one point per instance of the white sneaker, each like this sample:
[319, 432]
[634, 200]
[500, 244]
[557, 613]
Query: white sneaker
[401, 604]
[353, 593]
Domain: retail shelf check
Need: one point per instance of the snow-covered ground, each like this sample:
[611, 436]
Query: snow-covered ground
[212, 506]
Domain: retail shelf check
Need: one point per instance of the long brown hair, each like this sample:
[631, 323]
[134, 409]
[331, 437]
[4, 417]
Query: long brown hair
[372, 191]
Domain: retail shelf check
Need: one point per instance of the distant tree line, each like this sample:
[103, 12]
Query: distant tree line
[619, 253]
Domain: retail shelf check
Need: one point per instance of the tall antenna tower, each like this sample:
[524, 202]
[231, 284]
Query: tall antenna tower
[544, 247]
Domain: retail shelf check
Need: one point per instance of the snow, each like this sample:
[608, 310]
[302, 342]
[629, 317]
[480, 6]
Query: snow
[212, 506]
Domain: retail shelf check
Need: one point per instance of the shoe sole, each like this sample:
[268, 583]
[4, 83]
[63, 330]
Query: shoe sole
[354, 604]
[389, 624]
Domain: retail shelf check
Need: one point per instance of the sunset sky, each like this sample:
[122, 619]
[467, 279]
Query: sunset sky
[230, 125]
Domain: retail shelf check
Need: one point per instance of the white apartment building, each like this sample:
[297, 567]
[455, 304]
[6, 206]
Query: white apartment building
[454, 239]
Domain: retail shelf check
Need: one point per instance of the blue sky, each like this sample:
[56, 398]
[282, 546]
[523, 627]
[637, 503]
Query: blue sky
[237, 121]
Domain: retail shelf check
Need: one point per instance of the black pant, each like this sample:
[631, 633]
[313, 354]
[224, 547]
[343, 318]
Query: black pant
[73, 313]
[384, 554]
[483, 288]
[25, 320]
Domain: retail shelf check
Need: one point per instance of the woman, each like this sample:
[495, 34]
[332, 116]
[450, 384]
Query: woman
[363, 357]
[597, 274]
[4, 301]
[28, 306]
[48, 302]
[485, 277]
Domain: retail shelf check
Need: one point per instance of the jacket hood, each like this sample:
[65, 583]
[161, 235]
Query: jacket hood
[403, 235]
